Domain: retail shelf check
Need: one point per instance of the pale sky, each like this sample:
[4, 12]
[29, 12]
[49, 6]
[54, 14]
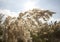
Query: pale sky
[21, 5]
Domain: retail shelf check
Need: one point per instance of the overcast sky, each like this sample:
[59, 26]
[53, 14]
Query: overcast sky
[20, 5]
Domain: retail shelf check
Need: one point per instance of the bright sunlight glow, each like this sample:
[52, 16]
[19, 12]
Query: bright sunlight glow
[29, 5]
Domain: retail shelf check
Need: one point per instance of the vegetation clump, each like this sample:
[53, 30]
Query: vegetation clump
[27, 27]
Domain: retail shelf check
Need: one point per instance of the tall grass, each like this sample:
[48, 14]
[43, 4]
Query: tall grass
[27, 28]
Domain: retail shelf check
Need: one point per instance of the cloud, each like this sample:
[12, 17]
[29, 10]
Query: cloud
[8, 13]
[15, 14]
[53, 19]
[49, 21]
